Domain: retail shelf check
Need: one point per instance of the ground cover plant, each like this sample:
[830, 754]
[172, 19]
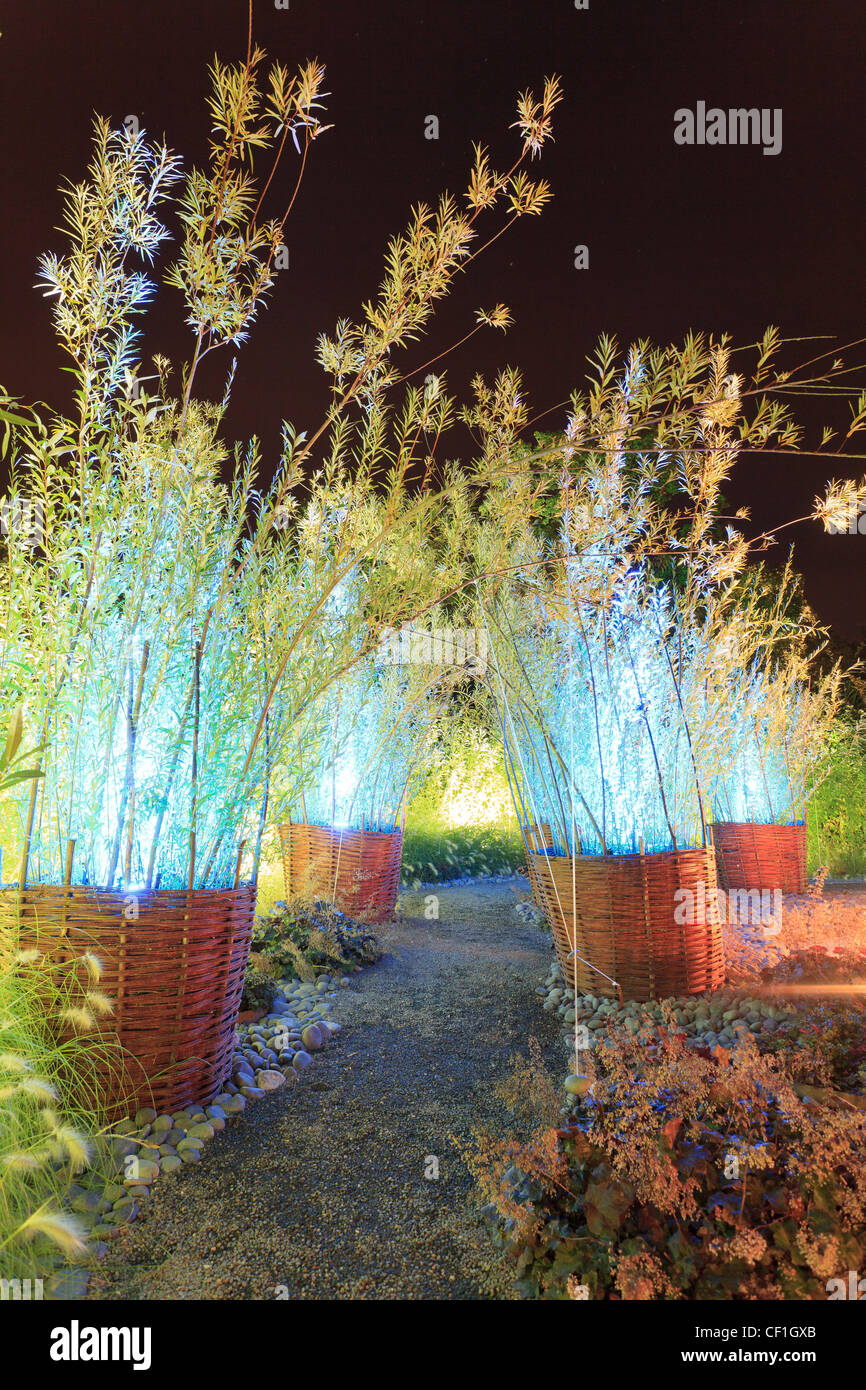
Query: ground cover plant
[686, 1175]
[437, 854]
[709, 1149]
[302, 941]
[260, 990]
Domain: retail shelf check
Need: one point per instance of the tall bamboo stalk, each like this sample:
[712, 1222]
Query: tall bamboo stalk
[134, 694]
[194, 770]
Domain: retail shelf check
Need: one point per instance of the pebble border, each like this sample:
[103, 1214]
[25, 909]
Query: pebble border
[725, 1017]
[269, 1054]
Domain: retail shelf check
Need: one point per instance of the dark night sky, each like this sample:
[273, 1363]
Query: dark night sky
[712, 238]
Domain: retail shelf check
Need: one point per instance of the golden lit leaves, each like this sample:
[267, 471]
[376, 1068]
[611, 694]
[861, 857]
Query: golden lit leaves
[498, 317]
[485, 185]
[235, 108]
[842, 507]
[535, 118]
[292, 101]
[526, 197]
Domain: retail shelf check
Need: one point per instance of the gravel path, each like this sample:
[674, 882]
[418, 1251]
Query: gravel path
[320, 1191]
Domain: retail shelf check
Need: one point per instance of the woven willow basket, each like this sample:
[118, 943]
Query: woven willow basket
[535, 843]
[623, 922]
[764, 857]
[356, 870]
[174, 973]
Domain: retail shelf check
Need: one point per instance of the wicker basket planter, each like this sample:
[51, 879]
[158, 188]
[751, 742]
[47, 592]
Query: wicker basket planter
[356, 870]
[175, 974]
[765, 857]
[535, 842]
[618, 913]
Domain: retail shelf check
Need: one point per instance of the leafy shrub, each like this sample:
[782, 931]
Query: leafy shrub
[301, 942]
[686, 1175]
[259, 989]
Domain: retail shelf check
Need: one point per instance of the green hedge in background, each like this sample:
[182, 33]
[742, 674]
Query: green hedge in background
[837, 811]
[435, 853]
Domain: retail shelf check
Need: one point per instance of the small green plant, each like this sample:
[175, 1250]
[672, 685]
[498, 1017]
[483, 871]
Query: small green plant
[303, 941]
[260, 989]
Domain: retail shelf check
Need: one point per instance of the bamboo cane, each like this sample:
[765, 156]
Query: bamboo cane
[238, 864]
[134, 710]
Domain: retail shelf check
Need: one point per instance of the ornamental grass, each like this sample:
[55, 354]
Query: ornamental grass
[46, 1135]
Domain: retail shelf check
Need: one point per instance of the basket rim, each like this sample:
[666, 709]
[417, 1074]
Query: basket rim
[340, 832]
[764, 824]
[629, 858]
[94, 888]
